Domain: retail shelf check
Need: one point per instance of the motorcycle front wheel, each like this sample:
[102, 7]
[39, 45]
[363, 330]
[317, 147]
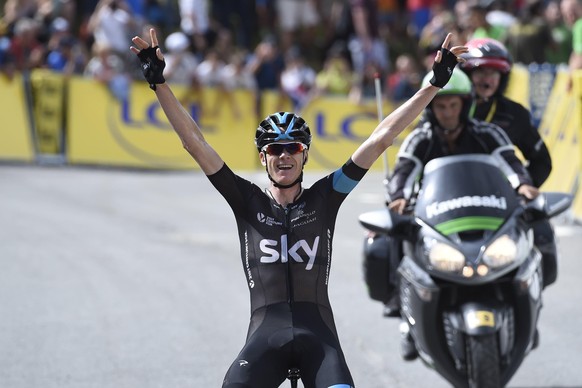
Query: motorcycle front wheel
[483, 361]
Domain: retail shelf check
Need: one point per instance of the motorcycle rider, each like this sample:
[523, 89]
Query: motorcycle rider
[448, 129]
[286, 231]
[488, 64]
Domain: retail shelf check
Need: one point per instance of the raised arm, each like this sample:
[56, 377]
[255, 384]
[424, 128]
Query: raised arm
[187, 129]
[385, 133]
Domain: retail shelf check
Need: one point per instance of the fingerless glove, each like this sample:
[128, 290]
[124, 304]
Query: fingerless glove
[443, 70]
[152, 67]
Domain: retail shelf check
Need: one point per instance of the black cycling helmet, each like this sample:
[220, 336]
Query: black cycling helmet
[488, 53]
[282, 126]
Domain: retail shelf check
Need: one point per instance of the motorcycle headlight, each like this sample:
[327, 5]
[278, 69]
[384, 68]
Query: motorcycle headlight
[444, 257]
[505, 250]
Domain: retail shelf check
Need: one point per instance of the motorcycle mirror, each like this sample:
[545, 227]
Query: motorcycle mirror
[547, 205]
[388, 222]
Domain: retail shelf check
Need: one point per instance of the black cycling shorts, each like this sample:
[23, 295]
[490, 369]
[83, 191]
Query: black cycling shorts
[280, 339]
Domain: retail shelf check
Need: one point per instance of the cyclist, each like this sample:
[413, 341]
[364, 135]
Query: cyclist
[286, 230]
[488, 64]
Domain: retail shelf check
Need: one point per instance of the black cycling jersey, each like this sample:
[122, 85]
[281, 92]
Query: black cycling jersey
[286, 258]
[425, 143]
[516, 121]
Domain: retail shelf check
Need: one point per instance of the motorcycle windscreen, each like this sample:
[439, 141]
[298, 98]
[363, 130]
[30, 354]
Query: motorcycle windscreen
[465, 193]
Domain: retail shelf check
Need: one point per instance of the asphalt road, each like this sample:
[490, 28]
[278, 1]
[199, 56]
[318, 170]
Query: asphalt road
[132, 279]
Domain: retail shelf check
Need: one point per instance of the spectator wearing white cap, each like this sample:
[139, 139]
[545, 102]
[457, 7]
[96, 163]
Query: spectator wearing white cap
[181, 63]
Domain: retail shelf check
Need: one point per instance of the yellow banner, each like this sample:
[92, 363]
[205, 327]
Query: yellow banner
[136, 133]
[518, 86]
[15, 135]
[103, 130]
[561, 129]
[339, 127]
[577, 91]
[48, 90]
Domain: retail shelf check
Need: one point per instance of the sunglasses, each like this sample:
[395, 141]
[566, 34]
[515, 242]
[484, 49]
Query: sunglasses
[276, 149]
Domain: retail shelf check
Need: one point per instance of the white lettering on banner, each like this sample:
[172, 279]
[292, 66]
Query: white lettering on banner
[272, 255]
[437, 208]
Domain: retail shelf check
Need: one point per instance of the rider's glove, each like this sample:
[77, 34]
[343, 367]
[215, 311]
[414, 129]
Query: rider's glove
[152, 66]
[443, 70]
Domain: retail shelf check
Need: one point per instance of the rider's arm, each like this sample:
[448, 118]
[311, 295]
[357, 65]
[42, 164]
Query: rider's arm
[411, 158]
[500, 145]
[383, 136]
[531, 145]
[385, 133]
[184, 125]
[188, 131]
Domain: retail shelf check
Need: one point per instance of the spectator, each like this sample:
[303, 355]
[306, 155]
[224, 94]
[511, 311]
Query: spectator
[572, 12]
[107, 67]
[528, 39]
[59, 29]
[266, 17]
[194, 22]
[161, 13]
[365, 44]
[420, 13]
[209, 72]
[434, 32]
[266, 64]
[298, 21]
[297, 79]
[559, 52]
[26, 50]
[500, 13]
[224, 44]
[7, 66]
[111, 25]
[480, 27]
[238, 17]
[365, 85]
[15, 10]
[181, 63]
[405, 80]
[67, 58]
[336, 78]
[236, 74]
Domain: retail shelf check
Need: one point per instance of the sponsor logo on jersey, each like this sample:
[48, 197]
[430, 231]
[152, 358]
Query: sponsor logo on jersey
[279, 250]
[267, 220]
[436, 208]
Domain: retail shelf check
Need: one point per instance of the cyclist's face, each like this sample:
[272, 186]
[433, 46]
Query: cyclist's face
[283, 165]
[486, 81]
[447, 111]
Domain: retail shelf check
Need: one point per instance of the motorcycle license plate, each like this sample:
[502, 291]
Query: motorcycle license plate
[480, 318]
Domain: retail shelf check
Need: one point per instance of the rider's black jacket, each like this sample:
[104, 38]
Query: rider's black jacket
[286, 258]
[516, 121]
[426, 143]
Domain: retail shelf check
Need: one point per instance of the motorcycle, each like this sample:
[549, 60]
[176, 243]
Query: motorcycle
[470, 279]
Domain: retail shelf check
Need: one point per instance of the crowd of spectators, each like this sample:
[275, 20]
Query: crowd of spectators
[301, 48]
